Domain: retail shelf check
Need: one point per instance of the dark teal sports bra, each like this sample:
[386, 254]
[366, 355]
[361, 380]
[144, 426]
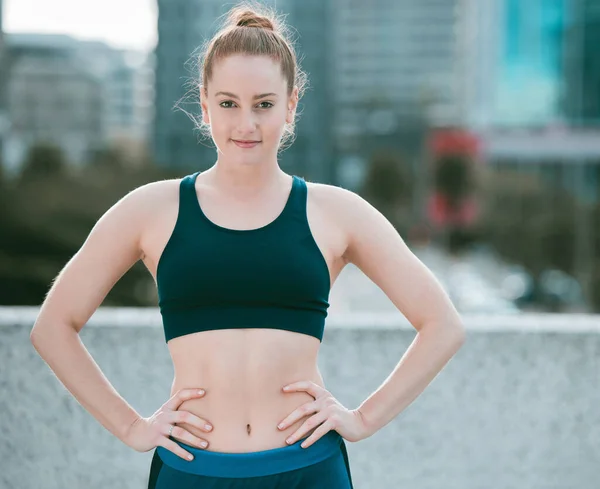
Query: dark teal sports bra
[210, 277]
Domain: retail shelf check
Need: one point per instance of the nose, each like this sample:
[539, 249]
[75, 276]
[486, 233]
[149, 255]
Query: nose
[247, 122]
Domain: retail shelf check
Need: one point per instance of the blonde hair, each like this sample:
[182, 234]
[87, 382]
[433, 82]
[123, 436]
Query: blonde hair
[255, 30]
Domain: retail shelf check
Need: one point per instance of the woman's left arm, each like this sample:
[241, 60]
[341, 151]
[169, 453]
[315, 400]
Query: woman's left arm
[378, 250]
[374, 246]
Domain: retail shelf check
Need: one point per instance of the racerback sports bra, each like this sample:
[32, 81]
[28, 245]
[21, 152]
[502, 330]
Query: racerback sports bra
[210, 277]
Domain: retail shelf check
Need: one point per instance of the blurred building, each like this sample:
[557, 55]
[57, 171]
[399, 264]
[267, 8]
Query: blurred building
[127, 79]
[3, 71]
[80, 95]
[531, 64]
[396, 72]
[183, 27]
[398, 55]
[50, 99]
[581, 102]
[513, 62]
[532, 71]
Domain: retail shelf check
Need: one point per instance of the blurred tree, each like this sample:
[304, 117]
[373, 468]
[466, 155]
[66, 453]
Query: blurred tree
[453, 178]
[530, 222]
[49, 220]
[453, 206]
[2, 175]
[595, 266]
[44, 159]
[108, 157]
[387, 186]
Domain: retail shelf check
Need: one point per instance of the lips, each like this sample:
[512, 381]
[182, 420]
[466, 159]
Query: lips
[245, 144]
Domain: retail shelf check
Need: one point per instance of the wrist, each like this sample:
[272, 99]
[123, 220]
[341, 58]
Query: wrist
[369, 427]
[128, 428]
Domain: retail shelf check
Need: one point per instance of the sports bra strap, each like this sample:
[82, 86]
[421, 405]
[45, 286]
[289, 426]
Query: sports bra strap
[187, 196]
[298, 197]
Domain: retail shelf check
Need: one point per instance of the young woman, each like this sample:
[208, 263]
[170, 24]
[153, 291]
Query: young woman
[244, 256]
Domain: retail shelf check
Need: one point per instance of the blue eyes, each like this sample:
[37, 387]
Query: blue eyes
[230, 102]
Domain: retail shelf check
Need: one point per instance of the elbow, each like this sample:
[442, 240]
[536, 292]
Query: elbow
[42, 333]
[454, 332]
[451, 330]
[39, 330]
[460, 335]
[35, 337]
[36, 342]
[457, 330]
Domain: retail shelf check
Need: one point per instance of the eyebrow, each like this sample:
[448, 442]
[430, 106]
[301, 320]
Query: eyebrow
[229, 94]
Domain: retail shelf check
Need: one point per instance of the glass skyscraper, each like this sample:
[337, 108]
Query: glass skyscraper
[529, 76]
[547, 63]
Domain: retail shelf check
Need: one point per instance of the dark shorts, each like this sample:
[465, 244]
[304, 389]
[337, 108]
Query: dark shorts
[324, 464]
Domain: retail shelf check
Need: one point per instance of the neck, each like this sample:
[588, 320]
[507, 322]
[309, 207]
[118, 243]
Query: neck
[246, 179]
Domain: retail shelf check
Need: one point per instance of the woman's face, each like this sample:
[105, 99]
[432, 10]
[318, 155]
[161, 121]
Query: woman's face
[247, 100]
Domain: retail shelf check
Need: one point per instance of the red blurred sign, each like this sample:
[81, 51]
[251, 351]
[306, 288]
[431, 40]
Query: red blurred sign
[441, 214]
[454, 141]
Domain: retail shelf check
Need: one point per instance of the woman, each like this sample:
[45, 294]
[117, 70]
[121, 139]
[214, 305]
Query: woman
[244, 256]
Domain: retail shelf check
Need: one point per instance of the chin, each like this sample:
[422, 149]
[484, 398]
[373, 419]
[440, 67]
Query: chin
[249, 161]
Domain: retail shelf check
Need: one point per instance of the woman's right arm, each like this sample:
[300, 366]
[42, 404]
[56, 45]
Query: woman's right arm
[110, 250]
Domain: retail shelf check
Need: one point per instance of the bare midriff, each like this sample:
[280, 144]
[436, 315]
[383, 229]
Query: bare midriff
[243, 372]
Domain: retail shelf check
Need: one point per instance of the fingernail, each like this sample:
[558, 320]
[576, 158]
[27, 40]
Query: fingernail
[203, 444]
[190, 457]
[201, 391]
[288, 441]
[208, 427]
[280, 426]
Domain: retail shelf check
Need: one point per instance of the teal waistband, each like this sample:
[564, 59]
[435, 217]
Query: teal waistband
[252, 464]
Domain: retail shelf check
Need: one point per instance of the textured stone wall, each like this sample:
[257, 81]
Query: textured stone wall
[517, 407]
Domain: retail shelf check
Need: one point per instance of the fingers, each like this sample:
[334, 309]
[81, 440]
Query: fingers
[175, 448]
[183, 395]
[308, 386]
[299, 413]
[186, 437]
[318, 433]
[310, 424]
[189, 418]
[183, 434]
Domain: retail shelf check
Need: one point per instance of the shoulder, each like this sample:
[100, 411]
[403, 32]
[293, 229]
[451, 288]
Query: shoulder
[343, 209]
[365, 228]
[149, 197]
[337, 201]
[143, 206]
[157, 188]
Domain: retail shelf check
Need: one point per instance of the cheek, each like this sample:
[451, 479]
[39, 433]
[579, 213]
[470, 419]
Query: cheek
[219, 127]
[274, 125]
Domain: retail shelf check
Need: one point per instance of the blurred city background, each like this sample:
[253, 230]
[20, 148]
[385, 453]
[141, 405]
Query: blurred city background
[472, 125]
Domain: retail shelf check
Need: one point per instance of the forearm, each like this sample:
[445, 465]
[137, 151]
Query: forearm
[427, 355]
[66, 355]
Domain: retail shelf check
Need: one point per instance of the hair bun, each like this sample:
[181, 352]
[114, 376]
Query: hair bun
[249, 18]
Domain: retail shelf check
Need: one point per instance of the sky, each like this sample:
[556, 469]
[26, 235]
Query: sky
[129, 24]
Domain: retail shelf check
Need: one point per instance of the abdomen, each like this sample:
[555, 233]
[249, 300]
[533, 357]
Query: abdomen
[243, 372]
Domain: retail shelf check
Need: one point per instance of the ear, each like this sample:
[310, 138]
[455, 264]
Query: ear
[292, 104]
[204, 104]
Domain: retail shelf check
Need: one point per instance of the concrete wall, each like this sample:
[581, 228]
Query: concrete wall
[517, 407]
